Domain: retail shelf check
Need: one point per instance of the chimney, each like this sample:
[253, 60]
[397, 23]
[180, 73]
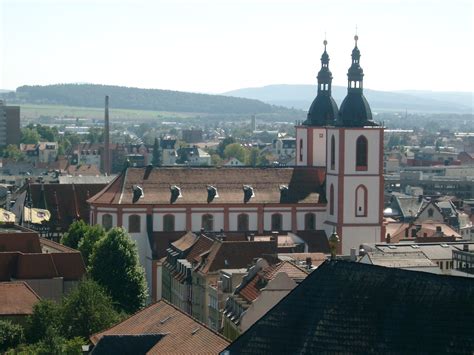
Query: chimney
[309, 262]
[438, 229]
[353, 254]
[106, 138]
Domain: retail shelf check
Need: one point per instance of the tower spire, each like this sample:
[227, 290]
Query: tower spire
[323, 110]
[355, 110]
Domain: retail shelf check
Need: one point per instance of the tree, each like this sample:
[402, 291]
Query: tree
[86, 310]
[10, 335]
[13, 153]
[95, 135]
[156, 161]
[30, 136]
[253, 157]
[223, 144]
[75, 233]
[87, 243]
[235, 150]
[45, 317]
[114, 265]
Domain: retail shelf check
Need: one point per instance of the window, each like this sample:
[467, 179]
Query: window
[134, 223]
[207, 222]
[310, 221]
[331, 200]
[430, 212]
[243, 222]
[276, 222]
[333, 153]
[301, 150]
[107, 221]
[361, 153]
[361, 201]
[168, 223]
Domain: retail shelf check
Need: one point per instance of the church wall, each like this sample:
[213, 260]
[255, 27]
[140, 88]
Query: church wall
[330, 133]
[320, 218]
[374, 150]
[319, 146]
[373, 199]
[98, 220]
[353, 237]
[253, 220]
[196, 219]
[301, 135]
[286, 219]
[179, 219]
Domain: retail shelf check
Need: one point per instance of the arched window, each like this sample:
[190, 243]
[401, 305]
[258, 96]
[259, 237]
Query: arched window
[301, 150]
[310, 221]
[207, 222]
[361, 153]
[331, 200]
[134, 223]
[168, 223]
[243, 222]
[107, 221]
[361, 201]
[276, 222]
[333, 152]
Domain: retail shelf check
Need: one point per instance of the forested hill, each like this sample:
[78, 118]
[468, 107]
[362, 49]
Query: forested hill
[90, 95]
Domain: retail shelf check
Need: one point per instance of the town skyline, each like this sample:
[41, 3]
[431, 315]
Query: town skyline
[207, 46]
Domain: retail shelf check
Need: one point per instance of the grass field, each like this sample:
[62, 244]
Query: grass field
[31, 112]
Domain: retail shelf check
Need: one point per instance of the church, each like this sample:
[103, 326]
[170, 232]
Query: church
[335, 185]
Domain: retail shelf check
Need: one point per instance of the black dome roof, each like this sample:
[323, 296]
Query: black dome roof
[323, 111]
[355, 111]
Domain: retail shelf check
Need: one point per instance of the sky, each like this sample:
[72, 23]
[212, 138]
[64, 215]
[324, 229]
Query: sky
[214, 46]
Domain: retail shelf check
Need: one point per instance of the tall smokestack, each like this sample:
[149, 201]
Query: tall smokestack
[106, 138]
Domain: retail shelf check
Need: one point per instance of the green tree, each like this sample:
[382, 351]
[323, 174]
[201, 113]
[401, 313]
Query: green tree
[223, 144]
[87, 243]
[14, 153]
[11, 335]
[52, 344]
[95, 135]
[253, 157]
[45, 317]
[235, 150]
[86, 310]
[30, 136]
[114, 264]
[75, 233]
[156, 161]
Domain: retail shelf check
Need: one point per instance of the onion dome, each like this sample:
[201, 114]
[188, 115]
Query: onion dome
[355, 110]
[323, 110]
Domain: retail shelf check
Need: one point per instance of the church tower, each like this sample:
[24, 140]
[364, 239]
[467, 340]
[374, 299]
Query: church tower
[311, 135]
[354, 171]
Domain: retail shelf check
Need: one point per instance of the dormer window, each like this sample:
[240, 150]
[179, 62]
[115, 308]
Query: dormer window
[137, 193]
[175, 193]
[248, 193]
[283, 192]
[211, 193]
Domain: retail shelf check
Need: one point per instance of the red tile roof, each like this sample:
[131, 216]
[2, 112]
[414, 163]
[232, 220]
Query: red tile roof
[252, 290]
[17, 298]
[305, 185]
[183, 334]
[26, 242]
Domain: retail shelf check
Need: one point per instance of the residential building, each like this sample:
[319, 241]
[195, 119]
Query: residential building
[347, 307]
[261, 289]
[10, 132]
[174, 331]
[193, 156]
[48, 268]
[168, 151]
[192, 135]
[194, 262]
[18, 300]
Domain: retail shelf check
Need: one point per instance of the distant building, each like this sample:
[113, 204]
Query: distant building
[10, 132]
[192, 135]
[168, 151]
[18, 300]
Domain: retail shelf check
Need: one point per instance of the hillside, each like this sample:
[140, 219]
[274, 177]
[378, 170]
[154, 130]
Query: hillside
[89, 95]
[301, 96]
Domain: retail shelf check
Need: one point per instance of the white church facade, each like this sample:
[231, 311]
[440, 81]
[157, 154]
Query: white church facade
[336, 183]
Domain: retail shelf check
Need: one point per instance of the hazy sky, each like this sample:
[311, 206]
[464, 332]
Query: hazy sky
[218, 45]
